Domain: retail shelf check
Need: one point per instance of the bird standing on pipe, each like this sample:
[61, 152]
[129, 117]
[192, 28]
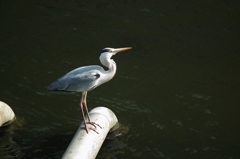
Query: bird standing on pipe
[86, 78]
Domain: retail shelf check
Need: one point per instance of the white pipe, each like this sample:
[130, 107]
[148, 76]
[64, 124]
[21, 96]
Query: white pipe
[86, 145]
[6, 114]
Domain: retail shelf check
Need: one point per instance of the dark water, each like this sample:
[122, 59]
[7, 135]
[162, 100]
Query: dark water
[176, 93]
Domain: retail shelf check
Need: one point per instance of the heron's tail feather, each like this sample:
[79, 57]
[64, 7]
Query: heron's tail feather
[56, 86]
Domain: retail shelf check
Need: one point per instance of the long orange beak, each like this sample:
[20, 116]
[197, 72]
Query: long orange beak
[122, 49]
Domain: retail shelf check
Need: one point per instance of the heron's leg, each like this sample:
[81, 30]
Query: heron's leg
[85, 105]
[81, 106]
[84, 94]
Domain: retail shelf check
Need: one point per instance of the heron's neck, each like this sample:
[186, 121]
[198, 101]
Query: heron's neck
[112, 67]
[109, 63]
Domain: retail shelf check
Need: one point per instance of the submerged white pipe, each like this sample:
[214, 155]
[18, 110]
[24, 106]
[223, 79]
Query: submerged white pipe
[86, 145]
[6, 114]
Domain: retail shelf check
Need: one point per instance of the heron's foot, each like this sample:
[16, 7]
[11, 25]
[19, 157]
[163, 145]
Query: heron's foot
[94, 124]
[91, 128]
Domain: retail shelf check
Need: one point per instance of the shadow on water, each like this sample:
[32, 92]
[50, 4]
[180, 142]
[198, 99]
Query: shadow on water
[9, 148]
[113, 146]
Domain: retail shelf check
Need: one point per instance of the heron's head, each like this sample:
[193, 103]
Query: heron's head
[113, 51]
[108, 52]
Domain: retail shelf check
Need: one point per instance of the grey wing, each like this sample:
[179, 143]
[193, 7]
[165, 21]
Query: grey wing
[78, 80]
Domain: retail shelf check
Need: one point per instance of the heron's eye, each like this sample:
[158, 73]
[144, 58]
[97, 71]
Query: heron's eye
[105, 50]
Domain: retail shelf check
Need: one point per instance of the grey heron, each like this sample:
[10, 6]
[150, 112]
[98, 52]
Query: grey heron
[86, 78]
